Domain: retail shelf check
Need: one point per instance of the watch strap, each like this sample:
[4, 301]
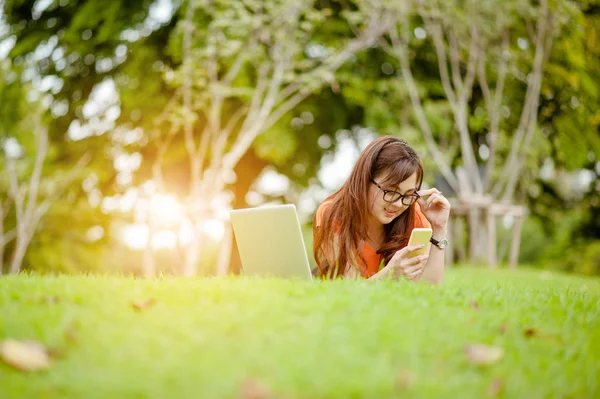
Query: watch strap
[437, 243]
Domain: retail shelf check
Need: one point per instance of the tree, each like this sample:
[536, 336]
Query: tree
[30, 193]
[215, 87]
[236, 81]
[481, 50]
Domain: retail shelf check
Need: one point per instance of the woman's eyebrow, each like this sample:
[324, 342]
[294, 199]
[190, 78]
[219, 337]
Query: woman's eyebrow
[409, 191]
[397, 189]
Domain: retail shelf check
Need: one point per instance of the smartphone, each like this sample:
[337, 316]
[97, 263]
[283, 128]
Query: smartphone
[420, 235]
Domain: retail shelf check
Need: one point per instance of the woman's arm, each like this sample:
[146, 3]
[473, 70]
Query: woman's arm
[383, 274]
[434, 270]
[437, 210]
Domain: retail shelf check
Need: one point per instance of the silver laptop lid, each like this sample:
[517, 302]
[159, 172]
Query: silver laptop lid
[270, 242]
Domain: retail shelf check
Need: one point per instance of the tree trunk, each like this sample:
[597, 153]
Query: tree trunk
[2, 239]
[148, 262]
[473, 218]
[516, 240]
[491, 239]
[20, 249]
[224, 257]
[193, 252]
[148, 259]
[246, 171]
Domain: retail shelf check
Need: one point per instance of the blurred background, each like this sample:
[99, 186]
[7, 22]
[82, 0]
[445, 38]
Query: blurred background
[128, 130]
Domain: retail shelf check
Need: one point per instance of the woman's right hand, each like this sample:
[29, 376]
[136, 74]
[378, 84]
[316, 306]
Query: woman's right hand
[402, 266]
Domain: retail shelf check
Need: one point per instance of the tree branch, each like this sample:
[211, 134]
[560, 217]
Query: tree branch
[190, 144]
[438, 42]
[455, 62]
[41, 149]
[462, 112]
[235, 68]
[9, 236]
[14, 188]
[373, 34]
[261, 86]
[474, 49]
[493, 105]
[458, 100]
[248, 135]
[285, 108]
[401, 53]
[213, 124]
[253, 126]
[42, 208]
[546, 42]
[5, 207]
[162, 147]
[219, 147]
[529, 113]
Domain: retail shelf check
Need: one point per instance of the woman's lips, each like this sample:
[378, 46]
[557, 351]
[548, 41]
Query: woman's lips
[388, 213]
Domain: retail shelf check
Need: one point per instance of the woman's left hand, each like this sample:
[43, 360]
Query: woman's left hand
[436, 207]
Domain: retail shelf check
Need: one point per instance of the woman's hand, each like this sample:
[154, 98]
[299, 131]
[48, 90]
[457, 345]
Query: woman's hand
[402, 266]
[436, 208]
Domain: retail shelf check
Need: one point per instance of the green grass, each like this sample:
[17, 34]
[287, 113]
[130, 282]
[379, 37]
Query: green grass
[344, 339]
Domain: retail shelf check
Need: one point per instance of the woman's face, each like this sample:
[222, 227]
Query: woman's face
[383, 211]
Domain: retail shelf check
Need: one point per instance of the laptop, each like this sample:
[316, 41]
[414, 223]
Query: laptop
[270, 242]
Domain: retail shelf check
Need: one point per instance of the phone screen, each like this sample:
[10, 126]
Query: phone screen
[420, 236]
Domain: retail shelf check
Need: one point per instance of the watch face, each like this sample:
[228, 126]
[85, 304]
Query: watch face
[443, 243]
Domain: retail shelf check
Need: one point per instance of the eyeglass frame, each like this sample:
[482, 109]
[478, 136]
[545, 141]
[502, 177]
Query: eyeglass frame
[401, 197]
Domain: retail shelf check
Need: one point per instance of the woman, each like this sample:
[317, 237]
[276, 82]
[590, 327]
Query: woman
[364, 227]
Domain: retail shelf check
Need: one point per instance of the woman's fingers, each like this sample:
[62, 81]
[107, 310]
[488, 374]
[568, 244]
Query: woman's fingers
[413, 269]
[403, 253]
[434, 196]
[433, 199]
[425, 193]
[414, 273]
[412, 262]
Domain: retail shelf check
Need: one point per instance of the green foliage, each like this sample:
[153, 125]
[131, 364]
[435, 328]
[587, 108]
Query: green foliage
[57, 249]
[368, 92]
[572, 248]
[571, 90]
[207, 337]
[12, 98]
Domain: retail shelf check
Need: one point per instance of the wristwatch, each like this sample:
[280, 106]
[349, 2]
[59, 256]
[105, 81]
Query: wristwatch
[441, 244]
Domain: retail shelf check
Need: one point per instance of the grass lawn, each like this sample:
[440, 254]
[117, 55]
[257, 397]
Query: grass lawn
[216, 338]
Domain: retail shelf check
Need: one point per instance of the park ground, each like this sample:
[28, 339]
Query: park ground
[521, 333]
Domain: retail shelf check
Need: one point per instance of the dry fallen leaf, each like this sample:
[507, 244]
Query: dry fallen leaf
[71, 333]
[483, 354]
[503, 327]
[51, 300]
[56, 352]
[252, 389]
[530, 332]
[24, 355]
[141, 305]
[495, 388]
[405, 379]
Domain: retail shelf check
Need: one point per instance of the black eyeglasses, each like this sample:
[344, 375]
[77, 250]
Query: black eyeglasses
[393, 196]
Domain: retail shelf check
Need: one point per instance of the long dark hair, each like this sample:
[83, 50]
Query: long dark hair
[344, 221]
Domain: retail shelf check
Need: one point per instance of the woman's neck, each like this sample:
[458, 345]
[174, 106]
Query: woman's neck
[375, 231]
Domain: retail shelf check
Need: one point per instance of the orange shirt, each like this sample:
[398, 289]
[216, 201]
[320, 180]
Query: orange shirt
[372, 258]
